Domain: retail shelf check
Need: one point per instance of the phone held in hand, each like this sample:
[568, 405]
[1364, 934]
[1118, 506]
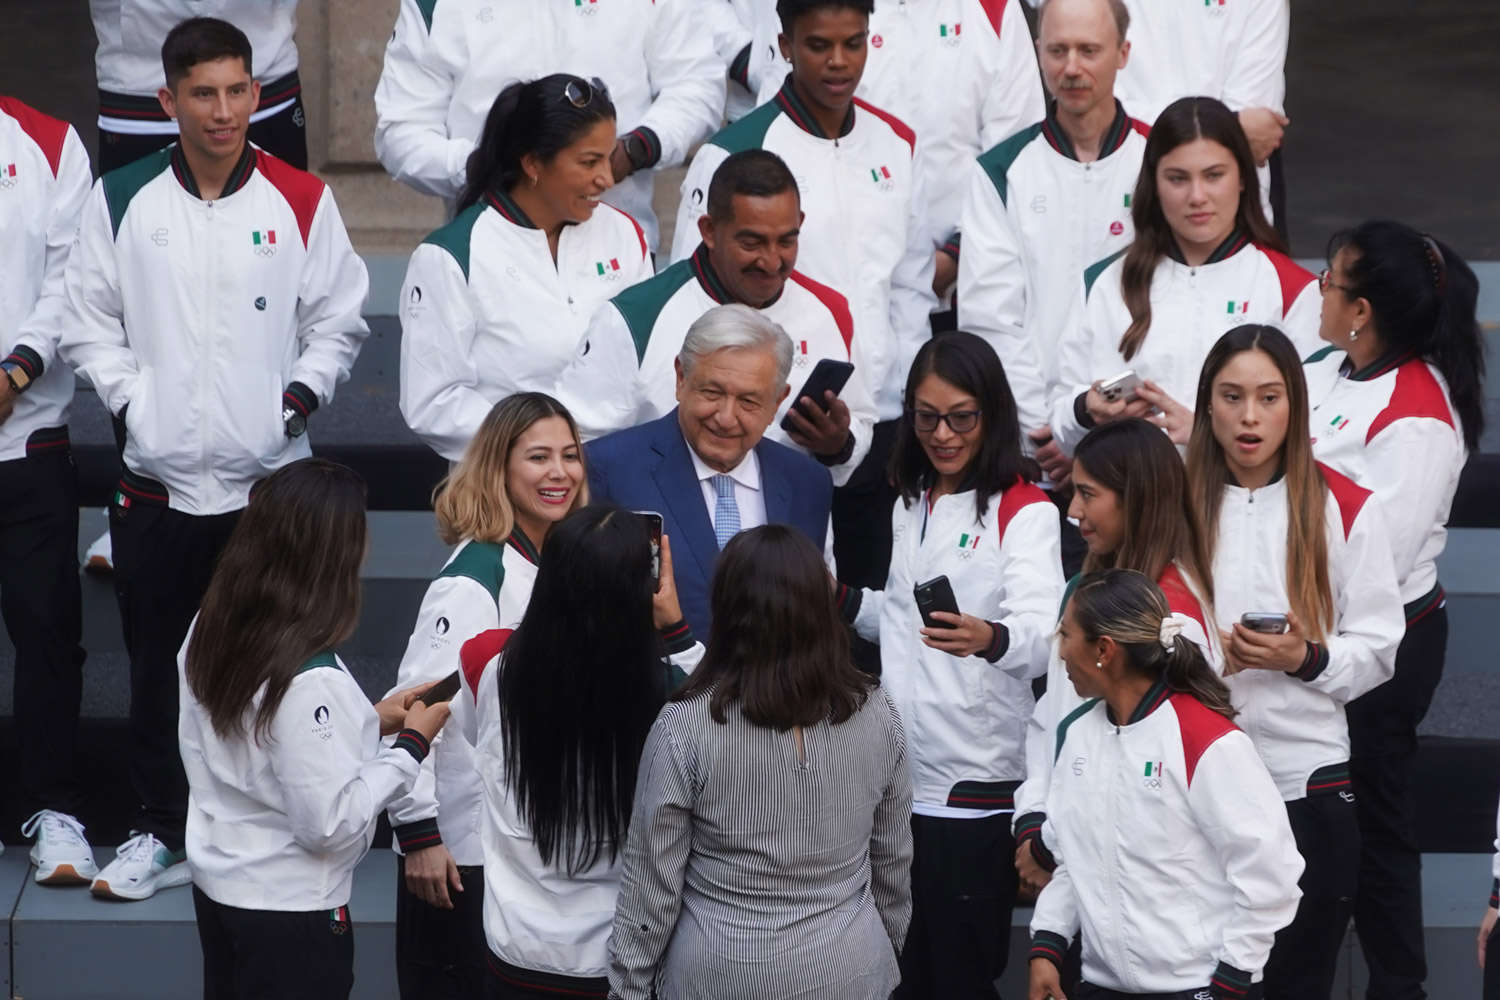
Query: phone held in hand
[1122, 386]
[935, 595]
[827, 376]
[1266, 622]
[443, 690]
[653, 528]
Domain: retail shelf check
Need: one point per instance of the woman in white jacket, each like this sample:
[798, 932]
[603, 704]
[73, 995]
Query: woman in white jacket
[496, 301]
[286, 772]
[1177, 865]
[1291, 537]
[1203, 260]
[522, 473]
[963, 684]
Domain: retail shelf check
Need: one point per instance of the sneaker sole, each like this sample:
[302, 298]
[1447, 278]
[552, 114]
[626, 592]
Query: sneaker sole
[167, 880]
[63, 875]
[98, 566]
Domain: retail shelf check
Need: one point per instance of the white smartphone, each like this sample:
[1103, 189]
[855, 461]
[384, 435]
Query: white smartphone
[1122, 386]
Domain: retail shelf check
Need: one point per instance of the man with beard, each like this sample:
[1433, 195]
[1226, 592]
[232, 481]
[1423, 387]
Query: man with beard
[747, 255]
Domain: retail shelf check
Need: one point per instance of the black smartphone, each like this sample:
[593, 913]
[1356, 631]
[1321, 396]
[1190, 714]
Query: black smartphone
[443, 690]
[1267, 622]
[827, 375]
[935, 595]
[653, 528]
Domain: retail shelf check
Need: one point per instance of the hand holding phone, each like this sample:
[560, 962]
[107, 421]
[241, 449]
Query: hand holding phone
[1264, 622]
[827, 376]
[653, 529]
[443, 690]
[1121, 387]
[935, 595]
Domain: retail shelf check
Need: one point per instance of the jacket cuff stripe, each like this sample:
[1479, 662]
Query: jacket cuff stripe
[1081, 411]
[1495, 894]
[677, 637]
[27, 360]
[1049, 945]
[843, 455]
[1029, 831]
[1314, 662]
[413, 743]
[952, 244]
[1229, 983]
[300, 398]
[848, 600]
[415, 836]
[739, 70]
[653, 145]
[999, 643]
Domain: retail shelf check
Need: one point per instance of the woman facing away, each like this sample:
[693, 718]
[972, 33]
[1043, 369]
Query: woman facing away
[770, 842]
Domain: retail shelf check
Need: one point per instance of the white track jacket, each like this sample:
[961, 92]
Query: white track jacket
[486, 311]
[449, 59]
[1191, 307]
[1296, 721]
[642, 330]
[208, 318]
[864, 232]
[1177, 863]
[282, 825]
[44, 182]
[1034, 218]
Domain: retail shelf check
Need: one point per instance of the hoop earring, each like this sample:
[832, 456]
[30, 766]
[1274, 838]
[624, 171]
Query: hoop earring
[1353, 335]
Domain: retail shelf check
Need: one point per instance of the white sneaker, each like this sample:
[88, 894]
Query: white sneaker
[100, 556]
[141, 866]
[62, 854]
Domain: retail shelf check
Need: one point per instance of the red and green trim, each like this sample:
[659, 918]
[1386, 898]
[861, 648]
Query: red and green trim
[983, 795]
[739, 69]
[26, 359]
[999, 643]
[545, 983]
[299, 397]
[1229, 983]
[135, 107]
[708, 278]
[135, 488]
[1119, 130]
[1067, 723]
[1049, 945]
[952, 244]
[1154, 698]
[651, 141]
[502, 202]
[238, 177]
[522, 544]
[416, 836]
[1314, 662]
[848, 600]
[47, 441]
[1236, 241]
[1383, 365]
[1029, 832]
[413, 743]
[1495, 894]
[1330, 779]
[1425, 605]
[677, 637]
[793, 107]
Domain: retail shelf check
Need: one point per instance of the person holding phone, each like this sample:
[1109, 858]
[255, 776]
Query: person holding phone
[1203, 260]
[1177, 865]
[967, 512]
[1397, 404]
[1289, 536]
[286, 772]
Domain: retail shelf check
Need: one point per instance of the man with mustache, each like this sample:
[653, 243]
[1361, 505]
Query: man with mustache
[747, 254]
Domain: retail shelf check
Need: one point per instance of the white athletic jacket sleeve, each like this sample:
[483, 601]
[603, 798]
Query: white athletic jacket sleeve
[41, 329]
[1057, 906]
[332, 791]
[330, 330]
[93, 343]
[439, 395]
[1014, 99]
[411, 107]
[687, 78]
[992, 294]
[1077, 362]
[1402, 463]
[912, 298]
[1232, 797]
[1362, 653]
[1032, 582]
[602, 387]
[1257, 75]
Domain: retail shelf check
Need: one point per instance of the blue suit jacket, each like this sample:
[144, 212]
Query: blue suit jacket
[649, 468]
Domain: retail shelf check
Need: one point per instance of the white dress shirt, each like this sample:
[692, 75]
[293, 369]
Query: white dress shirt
[748, 495]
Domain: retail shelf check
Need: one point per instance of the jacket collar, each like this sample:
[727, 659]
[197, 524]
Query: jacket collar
[238, 177]
[1236, 241]
[522, 544]
[502, 202]
[1114, 136]
[793, 107]
[1383, 365]
[713, 285]
[1277, 477]
[1155, 698]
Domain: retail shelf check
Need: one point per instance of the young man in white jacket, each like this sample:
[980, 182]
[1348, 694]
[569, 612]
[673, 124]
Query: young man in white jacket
[748, 255]
[448, 60]
[215, 304]
[859, 172]
[44, 181]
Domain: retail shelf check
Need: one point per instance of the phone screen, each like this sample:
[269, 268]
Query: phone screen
[653, 529]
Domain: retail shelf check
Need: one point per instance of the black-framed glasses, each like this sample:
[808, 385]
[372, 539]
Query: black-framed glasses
[1325, 282]
[959, 421]
[580, 93]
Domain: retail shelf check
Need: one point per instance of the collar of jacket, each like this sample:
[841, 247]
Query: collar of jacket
[238, 177]
[522, 544]
[1153, 699]
[1114, 136]
[1236, 241]
[793, 107]
[1383, 365]
[502, 202]
[713, 285]
[1276, 477]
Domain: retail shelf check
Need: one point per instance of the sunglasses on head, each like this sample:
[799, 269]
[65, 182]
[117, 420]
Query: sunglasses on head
[580, 93]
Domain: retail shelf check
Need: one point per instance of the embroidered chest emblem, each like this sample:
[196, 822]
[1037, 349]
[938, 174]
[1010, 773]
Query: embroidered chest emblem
[882, 178]
[950, 33]
[1237, 307]
[264, 241]
[967, 545]
[8, 178]
[1152, 779]
[609, 270]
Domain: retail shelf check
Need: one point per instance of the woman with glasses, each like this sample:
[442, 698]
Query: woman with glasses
[1397, 404]
[496, 301]
[962, 681]
[1203, 260]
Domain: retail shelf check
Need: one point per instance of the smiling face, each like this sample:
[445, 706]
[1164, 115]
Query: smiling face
[950, 452]
[212, 103]
[543, 476]
[571, 183]
[826, 48]
[726, 402]
[1249, 413]
[754, 250]
[1199, 185]
[1080, 52]
[1098, 510]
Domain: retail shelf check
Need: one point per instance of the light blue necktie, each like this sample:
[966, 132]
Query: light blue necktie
[726, 511]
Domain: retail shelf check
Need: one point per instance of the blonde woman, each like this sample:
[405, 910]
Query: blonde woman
[521, 474]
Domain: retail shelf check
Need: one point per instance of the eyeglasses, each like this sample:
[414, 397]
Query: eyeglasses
[959, 421]
[1325, 282]
[580, 93]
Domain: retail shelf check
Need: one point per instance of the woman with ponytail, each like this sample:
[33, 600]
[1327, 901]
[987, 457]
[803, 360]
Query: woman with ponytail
[1289, 536]
[1203, 259]
[1178, 866]
[1397, 403]
[496, 301]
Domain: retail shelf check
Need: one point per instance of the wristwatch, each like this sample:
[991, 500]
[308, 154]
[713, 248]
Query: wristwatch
[16, 376]
[295, 423]
[635, 151]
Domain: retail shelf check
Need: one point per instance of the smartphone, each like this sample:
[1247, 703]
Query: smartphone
[935, 595]
[1268, 622]
[653, 528]
[443, 690]
[1122, 386]
[826, 375]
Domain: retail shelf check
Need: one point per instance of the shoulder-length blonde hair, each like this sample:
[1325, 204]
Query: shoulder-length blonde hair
[473, 502]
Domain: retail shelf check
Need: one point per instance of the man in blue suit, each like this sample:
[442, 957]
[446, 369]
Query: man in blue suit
[705, 466]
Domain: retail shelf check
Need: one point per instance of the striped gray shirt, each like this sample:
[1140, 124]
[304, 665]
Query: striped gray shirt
[749, 873]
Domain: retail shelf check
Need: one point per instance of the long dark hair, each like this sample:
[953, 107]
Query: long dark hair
[581, 681]
[969, 364]
[529, 118]
[1183, 121]
[778, 649]
[1309, 588]
[285, 589]
[1128, 608]
[1136, 461]
[1424, 297]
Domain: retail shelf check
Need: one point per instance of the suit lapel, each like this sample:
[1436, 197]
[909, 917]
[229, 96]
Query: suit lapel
[677, 482]
[774, 485]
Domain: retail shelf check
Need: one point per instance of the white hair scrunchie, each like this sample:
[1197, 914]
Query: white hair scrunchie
[1171, 628]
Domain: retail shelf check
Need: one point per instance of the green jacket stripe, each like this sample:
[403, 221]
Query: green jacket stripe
[1092, 272]
[482, 562]
[122, 185]
[641, 304]
[996, 162]
[457, 236]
